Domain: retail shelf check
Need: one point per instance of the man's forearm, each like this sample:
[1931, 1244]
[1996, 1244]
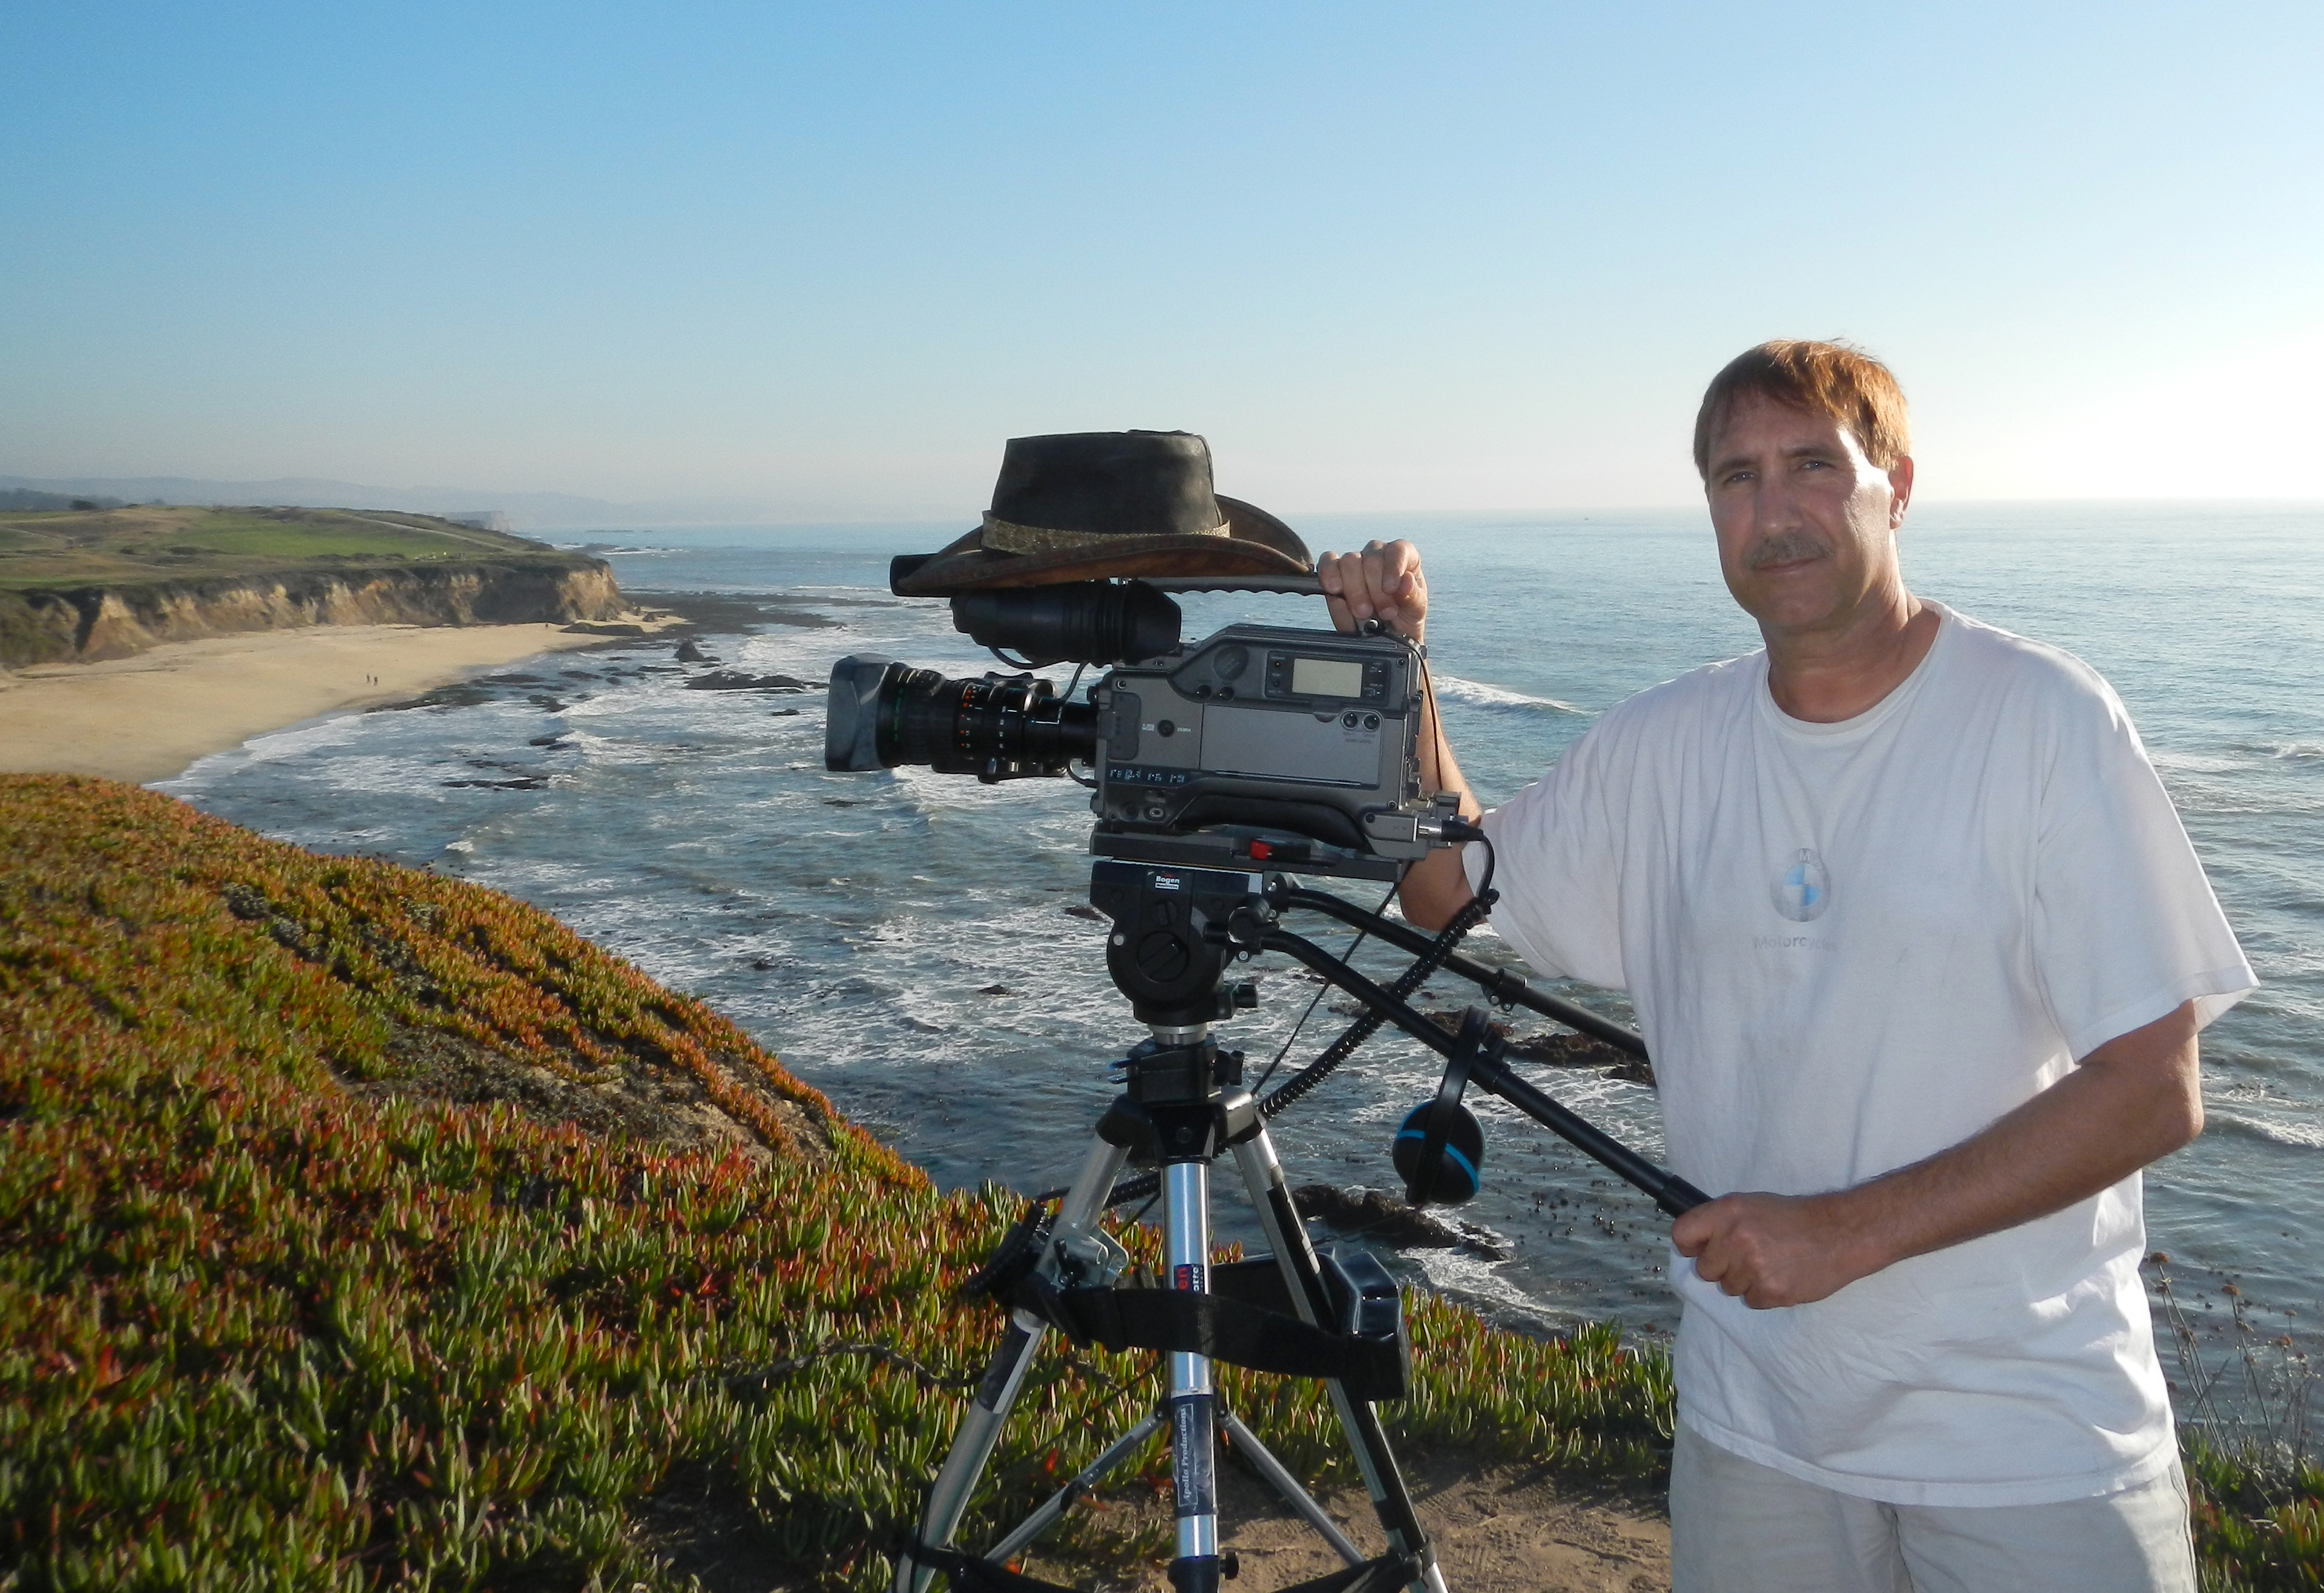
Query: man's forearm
[1436, 887]
[2135, 1098]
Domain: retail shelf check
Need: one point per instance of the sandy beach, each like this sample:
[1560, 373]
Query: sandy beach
[146, 718]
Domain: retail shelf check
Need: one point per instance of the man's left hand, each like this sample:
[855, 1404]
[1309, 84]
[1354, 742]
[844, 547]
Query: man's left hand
[1773, 1249]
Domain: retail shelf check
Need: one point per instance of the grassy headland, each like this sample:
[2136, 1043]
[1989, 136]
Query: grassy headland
[140, 543]
[84, 583]
[360, 1227]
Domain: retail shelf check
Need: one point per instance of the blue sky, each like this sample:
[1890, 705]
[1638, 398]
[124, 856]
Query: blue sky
[819, 261]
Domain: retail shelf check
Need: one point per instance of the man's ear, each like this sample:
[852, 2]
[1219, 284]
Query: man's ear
[1900, 488]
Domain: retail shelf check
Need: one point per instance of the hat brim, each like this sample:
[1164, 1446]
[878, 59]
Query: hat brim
[1256, 544]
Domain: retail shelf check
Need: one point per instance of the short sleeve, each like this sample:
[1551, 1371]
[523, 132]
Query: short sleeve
[1557, 866]
[2126, 926]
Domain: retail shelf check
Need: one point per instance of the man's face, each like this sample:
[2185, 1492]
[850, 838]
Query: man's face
[1806, 524]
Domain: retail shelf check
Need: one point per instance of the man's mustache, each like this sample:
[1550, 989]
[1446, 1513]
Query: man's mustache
[1790, 548]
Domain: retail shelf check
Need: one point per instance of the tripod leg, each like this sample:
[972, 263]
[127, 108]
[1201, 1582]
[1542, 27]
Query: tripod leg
[1190, 1402]
[1247, 1445]
[980, 1428]
[1047, 1516]
[1271, 1195]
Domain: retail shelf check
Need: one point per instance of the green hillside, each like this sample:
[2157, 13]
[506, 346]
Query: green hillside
[362, 1228]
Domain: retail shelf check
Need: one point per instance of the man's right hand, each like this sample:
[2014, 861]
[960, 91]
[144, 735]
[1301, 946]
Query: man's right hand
[1383, 583]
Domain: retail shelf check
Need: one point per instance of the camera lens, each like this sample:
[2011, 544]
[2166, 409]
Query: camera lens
[883, 713]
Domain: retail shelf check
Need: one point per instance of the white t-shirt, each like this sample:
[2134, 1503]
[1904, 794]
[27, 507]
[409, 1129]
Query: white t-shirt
[1851, 946]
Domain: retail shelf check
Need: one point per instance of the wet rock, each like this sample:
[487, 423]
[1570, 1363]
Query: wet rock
[1082, 910]
[735, 680]
[1559, 1048]
[1369, 1213]
[689, 651]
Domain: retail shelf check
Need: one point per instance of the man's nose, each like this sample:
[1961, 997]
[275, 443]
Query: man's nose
[1775, 507]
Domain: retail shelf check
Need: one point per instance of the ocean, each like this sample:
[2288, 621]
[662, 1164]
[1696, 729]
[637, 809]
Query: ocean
[903, 941]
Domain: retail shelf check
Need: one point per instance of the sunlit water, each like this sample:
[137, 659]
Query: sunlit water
[902, 941]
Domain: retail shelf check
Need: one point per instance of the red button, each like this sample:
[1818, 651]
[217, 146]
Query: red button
[1260, 851]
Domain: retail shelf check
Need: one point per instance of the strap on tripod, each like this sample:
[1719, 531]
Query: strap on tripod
[1236, 1324]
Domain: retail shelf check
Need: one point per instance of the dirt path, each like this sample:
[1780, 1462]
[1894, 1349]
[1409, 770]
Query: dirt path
[1498, 1529]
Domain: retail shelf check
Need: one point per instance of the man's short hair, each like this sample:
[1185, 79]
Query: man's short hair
[1823, 378]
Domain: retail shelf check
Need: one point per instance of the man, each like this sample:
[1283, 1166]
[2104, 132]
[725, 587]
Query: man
[1921, 951]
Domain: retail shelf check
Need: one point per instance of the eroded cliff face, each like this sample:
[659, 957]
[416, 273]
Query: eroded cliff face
[83, 624]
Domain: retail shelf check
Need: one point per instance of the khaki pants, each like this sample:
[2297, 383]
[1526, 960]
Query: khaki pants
[1740, 1527]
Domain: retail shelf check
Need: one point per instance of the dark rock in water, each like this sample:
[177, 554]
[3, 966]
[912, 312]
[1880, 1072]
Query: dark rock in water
[1372, 1214]
[996, 989]
[1560, 1049]
[600, 628]
[784, 714]
[735, 680]
[1081, 910]
[526, 784]
[689, 651]
[552, 743]
[465, 694]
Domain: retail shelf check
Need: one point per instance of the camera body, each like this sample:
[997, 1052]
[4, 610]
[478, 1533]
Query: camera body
[1267, 727]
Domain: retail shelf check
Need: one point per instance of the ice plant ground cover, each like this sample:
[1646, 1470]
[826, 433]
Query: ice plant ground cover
[362, 1227]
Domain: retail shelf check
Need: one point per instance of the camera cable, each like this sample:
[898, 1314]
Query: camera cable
[1448, 939]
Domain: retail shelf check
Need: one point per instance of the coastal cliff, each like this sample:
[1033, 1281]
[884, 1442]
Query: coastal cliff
[82, 624]
[79, 587]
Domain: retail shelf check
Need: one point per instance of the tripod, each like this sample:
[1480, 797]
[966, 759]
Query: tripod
[1338, 1317]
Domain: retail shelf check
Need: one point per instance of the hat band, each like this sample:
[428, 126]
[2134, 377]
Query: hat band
[1010, 538]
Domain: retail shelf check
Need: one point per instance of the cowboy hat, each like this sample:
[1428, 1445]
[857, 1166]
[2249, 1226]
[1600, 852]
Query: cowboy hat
[1092, 505]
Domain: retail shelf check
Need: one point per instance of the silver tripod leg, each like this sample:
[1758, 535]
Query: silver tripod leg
[1004, 1375]
[1059, 1503]
[1247, 1444]
[1190, 1403]
[1287, 1235]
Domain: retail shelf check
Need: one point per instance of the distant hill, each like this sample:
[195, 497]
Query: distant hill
[522, 509]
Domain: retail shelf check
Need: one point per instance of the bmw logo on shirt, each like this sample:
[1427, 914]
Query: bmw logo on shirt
[1802, 889]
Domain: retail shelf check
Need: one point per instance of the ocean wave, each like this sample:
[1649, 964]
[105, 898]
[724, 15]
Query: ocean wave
[1477, 694]
[2195, 762]
[2271, 1131]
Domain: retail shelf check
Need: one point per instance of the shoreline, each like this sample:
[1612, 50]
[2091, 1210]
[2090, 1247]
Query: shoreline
[151, 716]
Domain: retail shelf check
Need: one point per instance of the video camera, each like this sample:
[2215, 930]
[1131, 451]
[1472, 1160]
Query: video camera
[1259, 745]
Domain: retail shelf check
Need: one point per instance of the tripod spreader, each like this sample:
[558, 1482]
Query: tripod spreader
[1498, 984]
[1488, 1071]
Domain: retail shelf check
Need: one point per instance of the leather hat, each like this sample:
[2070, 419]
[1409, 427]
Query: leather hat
[1092, 505]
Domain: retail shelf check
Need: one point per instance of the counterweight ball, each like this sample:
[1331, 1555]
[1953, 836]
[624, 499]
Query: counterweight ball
[1459, 1162]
